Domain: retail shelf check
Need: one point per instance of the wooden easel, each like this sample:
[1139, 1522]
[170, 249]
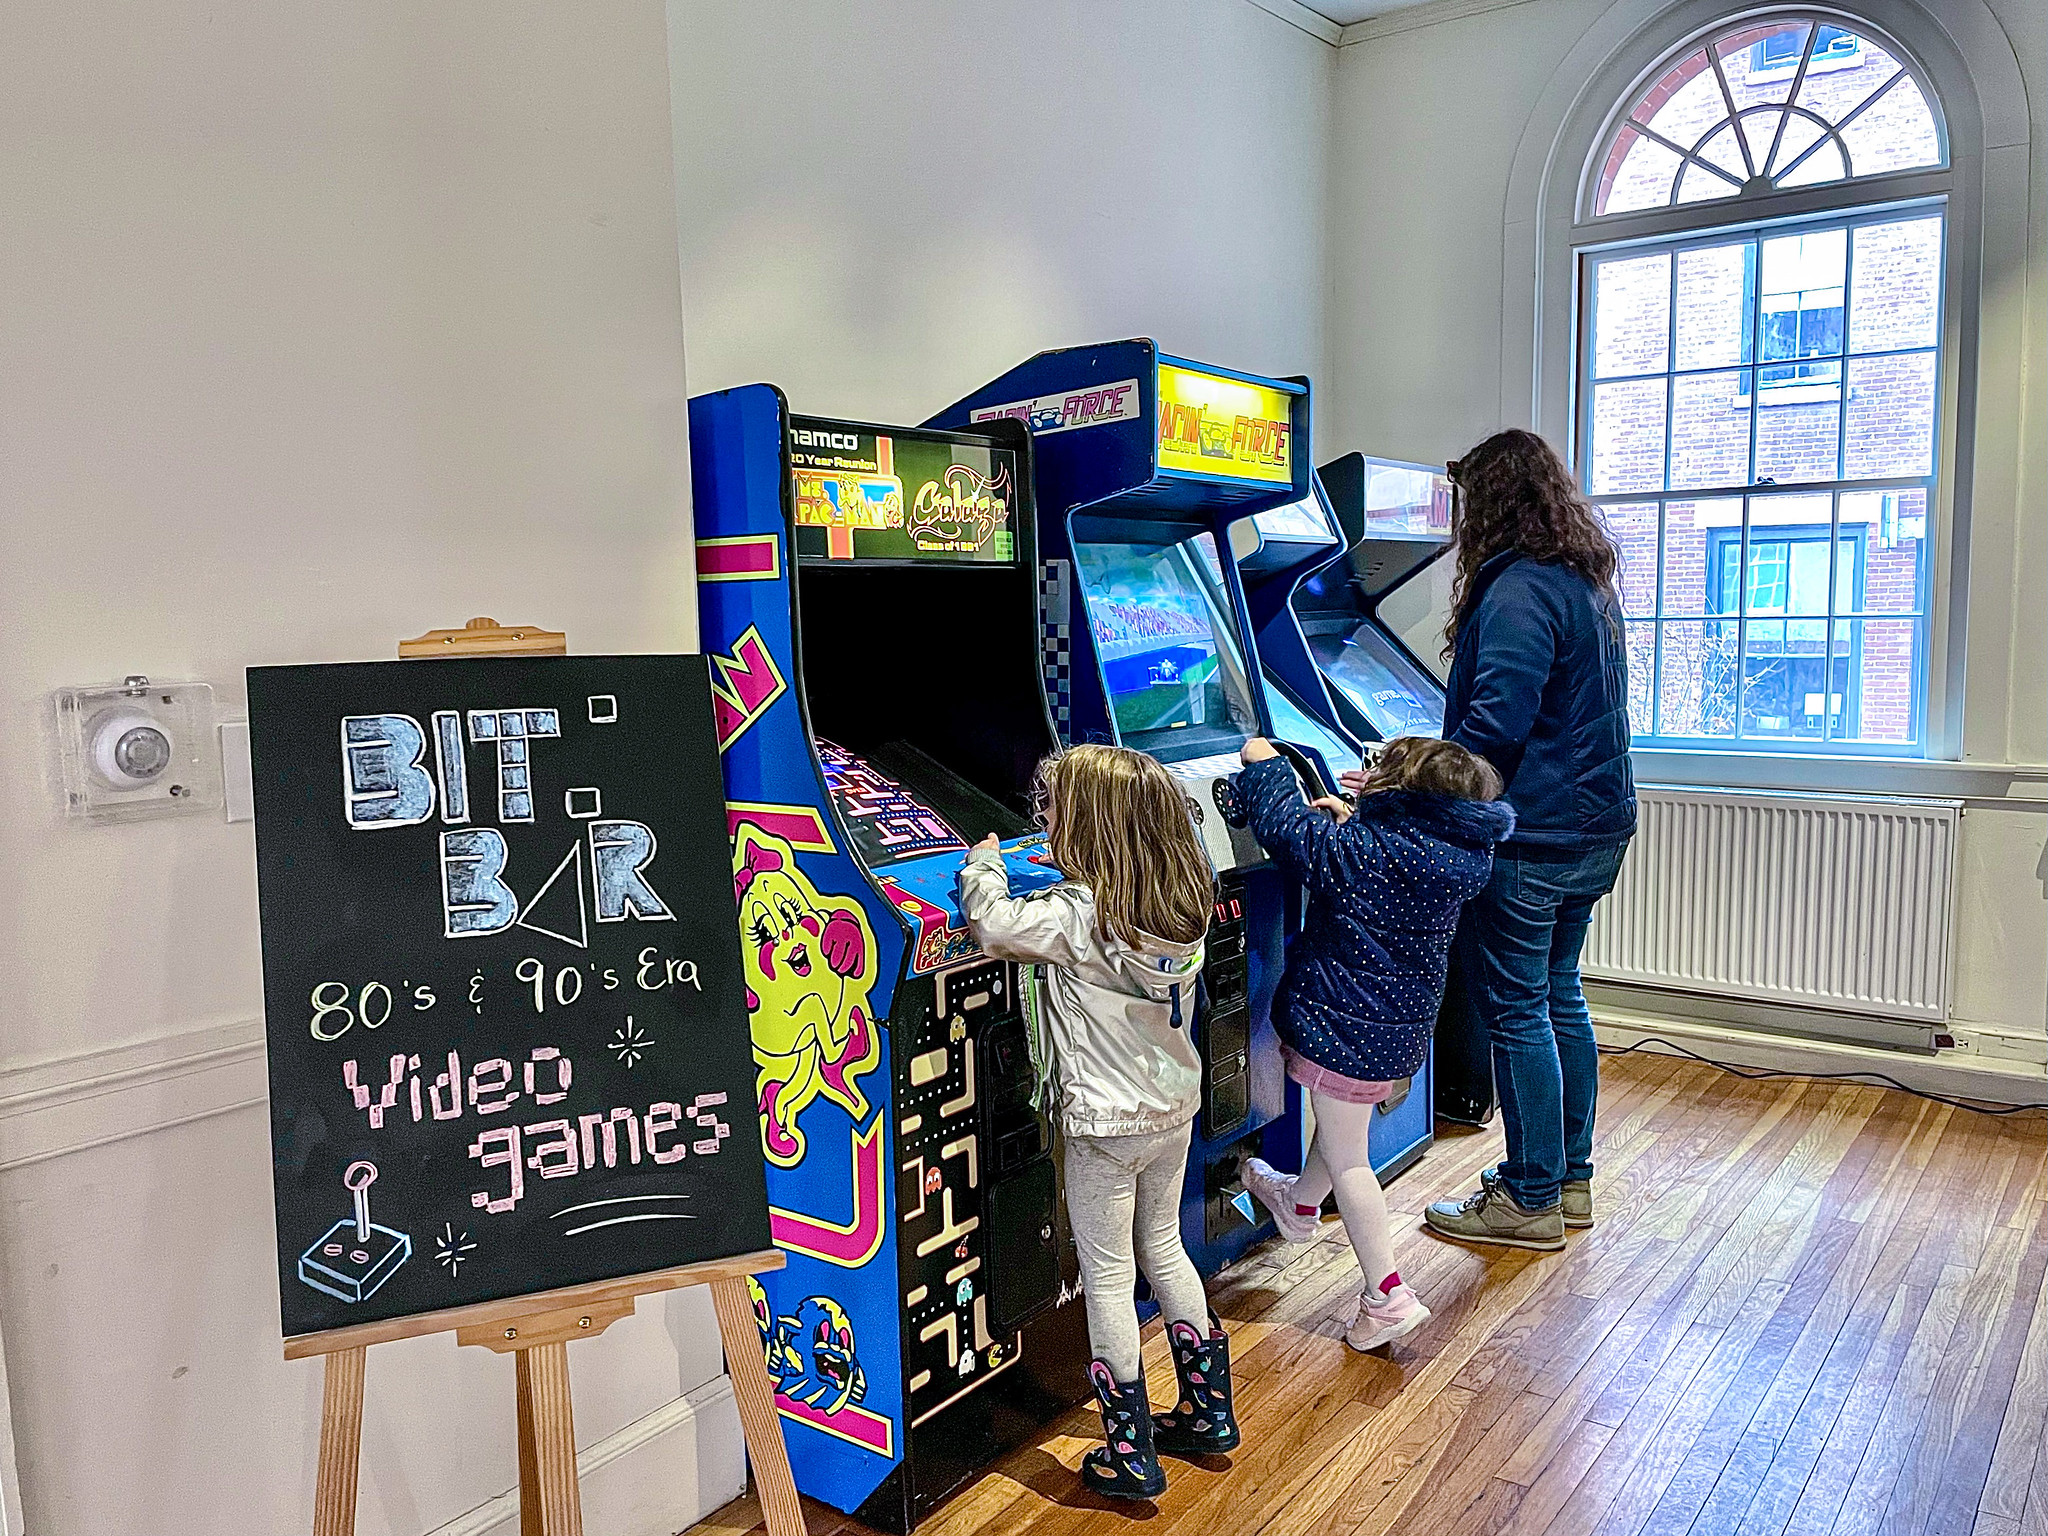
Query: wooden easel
[536, 1329]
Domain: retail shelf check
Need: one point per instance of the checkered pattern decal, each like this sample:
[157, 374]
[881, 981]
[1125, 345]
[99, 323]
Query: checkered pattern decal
[1056, 642]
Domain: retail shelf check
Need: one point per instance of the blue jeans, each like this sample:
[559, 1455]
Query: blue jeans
[1518, 946]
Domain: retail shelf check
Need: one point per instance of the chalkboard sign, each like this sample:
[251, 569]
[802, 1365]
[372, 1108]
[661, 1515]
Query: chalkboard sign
[507, 1025]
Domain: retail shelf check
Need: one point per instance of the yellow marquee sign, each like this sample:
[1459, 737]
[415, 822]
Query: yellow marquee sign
[1226, 429]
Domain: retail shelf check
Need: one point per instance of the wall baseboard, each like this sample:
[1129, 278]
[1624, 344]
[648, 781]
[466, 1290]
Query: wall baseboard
[1991, 1081]
[647, 1479]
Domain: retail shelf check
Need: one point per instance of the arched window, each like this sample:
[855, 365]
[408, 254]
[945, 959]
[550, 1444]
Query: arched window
[1758, 383]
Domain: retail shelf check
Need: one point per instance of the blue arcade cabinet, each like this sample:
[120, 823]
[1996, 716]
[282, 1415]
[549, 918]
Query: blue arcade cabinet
[1145, 465]
[868, 599]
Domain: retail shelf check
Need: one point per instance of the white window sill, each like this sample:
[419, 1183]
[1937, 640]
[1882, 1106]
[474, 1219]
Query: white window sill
[2017, 784]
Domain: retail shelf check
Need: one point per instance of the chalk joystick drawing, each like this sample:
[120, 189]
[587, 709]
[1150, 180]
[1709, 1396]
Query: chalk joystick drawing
[356, 1256]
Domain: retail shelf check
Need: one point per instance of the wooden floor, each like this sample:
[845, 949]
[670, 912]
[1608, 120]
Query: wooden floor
[1807, 1308]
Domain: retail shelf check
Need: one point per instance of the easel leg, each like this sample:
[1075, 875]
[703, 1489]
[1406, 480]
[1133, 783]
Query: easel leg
[529, 1464]
[774, 1485]
[341, 1443]
[550, 1504]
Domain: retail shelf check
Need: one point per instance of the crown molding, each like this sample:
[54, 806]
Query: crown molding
[1296, 15]
[1411, 18]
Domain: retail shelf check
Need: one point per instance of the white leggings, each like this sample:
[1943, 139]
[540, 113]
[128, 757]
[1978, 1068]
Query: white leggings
[1123, 1201]
[1338, 1159]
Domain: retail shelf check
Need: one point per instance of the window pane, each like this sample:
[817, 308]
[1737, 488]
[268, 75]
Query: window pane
[1689, 528]
[1836, 87]
[1722, 150]
[1798, 137]
[1785, 649]
[1894, 298]
[1696, 681]
[1710, 429]
[1809, 513]
[1714, 285]
[1895, 134]
[1798, 419]
[1893, 525]
[1638, 174]
[1761, 60]
[1824, 164]
[1632, 316]
[1628, 437]
[1878, 661]
[1633, 527]
[1700, 184]
[1642, 655]
[1760, 130]
[1891, 415]
[1691, 103]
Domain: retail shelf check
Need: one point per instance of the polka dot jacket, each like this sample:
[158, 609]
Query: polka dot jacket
[1365, 976]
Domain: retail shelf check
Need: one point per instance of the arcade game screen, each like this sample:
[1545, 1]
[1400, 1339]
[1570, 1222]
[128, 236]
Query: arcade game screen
[899, 497]
[1391, 689]
[1406, 499]
[1301, 519]
[1165, 637]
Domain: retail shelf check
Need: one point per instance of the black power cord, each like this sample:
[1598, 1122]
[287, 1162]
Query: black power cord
[1755, 1073]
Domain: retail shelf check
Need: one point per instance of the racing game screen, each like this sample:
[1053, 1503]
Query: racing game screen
[1165, 638]
[1391, 689]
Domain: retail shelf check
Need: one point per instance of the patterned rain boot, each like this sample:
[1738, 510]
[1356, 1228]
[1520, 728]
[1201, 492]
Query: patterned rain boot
[1127, 1467]
[1201, 1423]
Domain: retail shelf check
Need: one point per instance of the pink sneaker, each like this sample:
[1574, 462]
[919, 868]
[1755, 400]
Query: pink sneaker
[1382, 1322]
[1275, 1191]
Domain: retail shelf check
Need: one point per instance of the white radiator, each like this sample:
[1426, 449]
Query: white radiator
[1831, 901]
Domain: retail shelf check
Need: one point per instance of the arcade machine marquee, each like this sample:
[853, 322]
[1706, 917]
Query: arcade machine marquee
[867, 598]
[1144, 463]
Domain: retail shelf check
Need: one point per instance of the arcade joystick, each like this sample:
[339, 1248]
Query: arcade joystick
[356, 1256]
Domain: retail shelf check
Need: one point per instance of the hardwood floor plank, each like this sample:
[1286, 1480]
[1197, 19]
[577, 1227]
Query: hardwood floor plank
[2023, 1440]
[1808, 1309]
[1964, 1467]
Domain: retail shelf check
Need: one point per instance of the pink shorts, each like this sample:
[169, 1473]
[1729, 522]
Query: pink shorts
[1348, 1090]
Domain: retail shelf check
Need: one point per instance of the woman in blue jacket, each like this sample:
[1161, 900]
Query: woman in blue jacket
[1539, 688]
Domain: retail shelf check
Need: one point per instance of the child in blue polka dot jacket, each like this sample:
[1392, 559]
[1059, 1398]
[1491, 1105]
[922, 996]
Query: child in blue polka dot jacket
[1385, 876]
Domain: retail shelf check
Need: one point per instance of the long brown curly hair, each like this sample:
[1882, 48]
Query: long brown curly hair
[1515, 492]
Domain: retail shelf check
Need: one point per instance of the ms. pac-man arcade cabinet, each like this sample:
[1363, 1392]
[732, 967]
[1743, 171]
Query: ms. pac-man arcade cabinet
[868, 597]
[1144, 464]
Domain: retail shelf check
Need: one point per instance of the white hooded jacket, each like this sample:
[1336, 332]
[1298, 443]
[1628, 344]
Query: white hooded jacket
[1121, 1019]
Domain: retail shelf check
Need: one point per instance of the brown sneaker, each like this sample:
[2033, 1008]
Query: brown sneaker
[1577, 1198]
[1492, 1216]
[1577, 1203]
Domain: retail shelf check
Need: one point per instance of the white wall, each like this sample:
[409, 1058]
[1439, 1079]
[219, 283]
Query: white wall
[883, 206]
[1421, 163]
[324, 325]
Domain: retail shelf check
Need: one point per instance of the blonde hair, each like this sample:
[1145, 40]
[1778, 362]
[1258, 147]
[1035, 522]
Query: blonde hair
[1123, 827]
[1433, 767]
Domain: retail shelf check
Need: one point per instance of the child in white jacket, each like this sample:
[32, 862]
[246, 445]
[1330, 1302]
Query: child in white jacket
[1121, 942]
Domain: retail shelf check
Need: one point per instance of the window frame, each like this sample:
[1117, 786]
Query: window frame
[1847, 192]
[1760, 214]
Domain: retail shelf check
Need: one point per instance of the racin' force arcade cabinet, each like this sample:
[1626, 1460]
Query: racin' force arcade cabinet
[868, 598]
[1144, 464]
